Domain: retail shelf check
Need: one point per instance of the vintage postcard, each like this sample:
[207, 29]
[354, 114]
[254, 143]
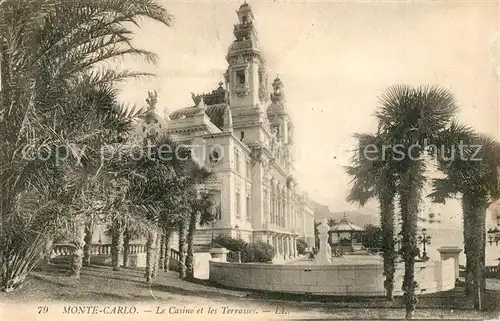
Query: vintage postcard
[249, 160]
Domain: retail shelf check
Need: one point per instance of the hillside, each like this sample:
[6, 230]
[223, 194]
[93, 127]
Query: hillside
[357, 218]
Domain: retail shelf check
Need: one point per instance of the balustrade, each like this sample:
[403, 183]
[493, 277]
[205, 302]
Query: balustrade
[493, 271]
[62, 250]
[174, 254]
[95, 249]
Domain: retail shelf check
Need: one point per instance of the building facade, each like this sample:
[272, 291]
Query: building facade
[242, 131]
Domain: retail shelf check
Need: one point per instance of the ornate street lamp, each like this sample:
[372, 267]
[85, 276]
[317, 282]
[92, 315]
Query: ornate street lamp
[215, 217]
[494, 235]
[424, 239]
[397, 242]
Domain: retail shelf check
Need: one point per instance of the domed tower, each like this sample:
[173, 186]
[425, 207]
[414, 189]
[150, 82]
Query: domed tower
[246, 76]
[279, 119]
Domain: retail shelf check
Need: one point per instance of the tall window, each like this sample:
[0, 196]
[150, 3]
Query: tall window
[249, 169]
[237, 205]
[237, 161]
[240, 77]
[248, 209]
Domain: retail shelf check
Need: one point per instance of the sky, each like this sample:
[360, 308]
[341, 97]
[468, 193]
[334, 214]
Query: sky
[335, 59]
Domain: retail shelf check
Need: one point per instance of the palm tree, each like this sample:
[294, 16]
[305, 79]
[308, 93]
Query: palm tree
[130, 232]
[49, 51]
[474, 175]
[166, 258]
[160, 184]
[88, 243]
[150, 254]
[409, 120]
[201, 213]
[182, 249]
[374, 178]
[332, 222]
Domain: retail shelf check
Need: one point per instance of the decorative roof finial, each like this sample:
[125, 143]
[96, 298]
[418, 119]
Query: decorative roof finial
[201, 103]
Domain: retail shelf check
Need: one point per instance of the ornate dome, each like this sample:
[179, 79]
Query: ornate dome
[275, 108]
[345, 226]
[245, 6]
[214, 112]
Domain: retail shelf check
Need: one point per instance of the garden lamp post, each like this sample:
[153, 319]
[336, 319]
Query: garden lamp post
[424, 239]
[494, 237]
[397, 242]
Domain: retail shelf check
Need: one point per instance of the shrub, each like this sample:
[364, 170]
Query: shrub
[257, 252]
[301, 246]
[230, 243]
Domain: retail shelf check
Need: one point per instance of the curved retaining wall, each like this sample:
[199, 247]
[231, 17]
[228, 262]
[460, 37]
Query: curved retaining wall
[344, 280]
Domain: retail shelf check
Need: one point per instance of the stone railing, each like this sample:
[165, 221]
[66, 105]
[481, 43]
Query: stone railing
[99, 249]
[62, 250]
[174, 254]
[95, 249]
[493, 272]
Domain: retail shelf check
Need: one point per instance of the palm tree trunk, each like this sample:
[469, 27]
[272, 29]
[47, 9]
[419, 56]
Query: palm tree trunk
[476, 209]
[161, 262]
[193, 219]
[156, 261]
[467, 231]
[168, 239]
[126, 246]
[483, 248]
[48, 251]
[88, 244]
[389, 254]
[410, 251]
[116, 244]
[150, 255]
[182, 249]
[79, 242]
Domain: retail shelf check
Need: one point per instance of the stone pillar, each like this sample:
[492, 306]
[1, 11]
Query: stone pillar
[451, 252]
[288, 247]
[218, 254]
[295, 246]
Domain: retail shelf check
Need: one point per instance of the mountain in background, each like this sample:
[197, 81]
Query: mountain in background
[357, 218]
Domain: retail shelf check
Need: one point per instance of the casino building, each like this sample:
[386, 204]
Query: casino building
[242, 131]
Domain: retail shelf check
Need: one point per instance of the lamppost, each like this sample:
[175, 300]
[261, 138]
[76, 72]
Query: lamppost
[215, 217]
[397, 242]
[424, 239]
[494, 237]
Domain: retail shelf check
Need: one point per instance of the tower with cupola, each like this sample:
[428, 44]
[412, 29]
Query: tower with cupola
[281, 123]
[246, 76]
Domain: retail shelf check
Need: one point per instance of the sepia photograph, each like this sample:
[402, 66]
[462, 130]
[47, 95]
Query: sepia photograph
[249, 160]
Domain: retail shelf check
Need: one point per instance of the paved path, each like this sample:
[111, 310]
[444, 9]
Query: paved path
[102, 286]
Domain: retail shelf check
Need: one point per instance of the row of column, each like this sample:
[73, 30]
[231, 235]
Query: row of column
[285, 245]
[278, 207]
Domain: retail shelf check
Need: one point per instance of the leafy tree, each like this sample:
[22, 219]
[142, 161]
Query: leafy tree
[201, 213]
[258, 252]
[332, 222]
[301, 246]
[372, 236]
